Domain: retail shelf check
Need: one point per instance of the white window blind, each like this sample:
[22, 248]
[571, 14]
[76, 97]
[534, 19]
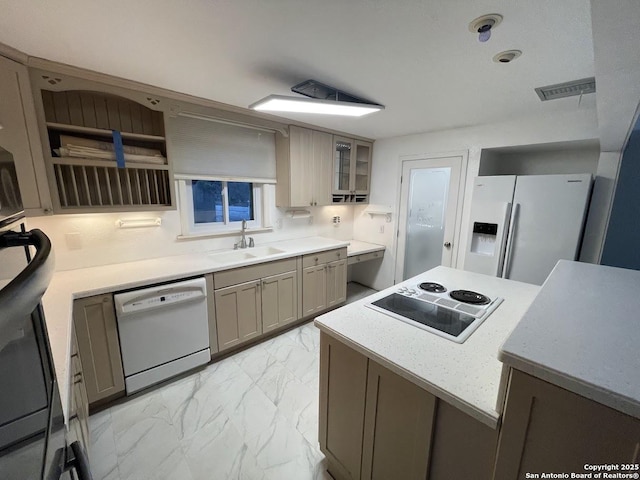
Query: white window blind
[203, 147]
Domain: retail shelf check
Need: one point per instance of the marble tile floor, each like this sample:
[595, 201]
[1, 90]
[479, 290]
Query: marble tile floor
[356, 291]
[253, 415]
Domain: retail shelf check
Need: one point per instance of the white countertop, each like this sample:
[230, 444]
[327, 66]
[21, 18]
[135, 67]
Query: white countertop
[72, 284]
[467, 375]
[356, 247]
[582, 333]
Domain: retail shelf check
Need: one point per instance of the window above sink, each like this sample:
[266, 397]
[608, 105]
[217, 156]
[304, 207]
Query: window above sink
[218, 206]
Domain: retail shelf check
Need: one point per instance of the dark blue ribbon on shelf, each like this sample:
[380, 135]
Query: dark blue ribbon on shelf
[118, 148]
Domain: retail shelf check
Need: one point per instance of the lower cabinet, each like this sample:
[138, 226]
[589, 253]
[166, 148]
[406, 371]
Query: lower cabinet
[324, 281]
[279, 296]
[397, 427]
[375, 424]
[462, 447]
[336, 282]
[343, 390]
[98, 346]
[548, 429]
[238, 314]
[266, 299]
[314, 290]
[78, 423]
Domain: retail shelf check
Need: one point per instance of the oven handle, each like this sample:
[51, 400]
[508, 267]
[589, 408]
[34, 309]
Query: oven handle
[79, 462]
[21, 295]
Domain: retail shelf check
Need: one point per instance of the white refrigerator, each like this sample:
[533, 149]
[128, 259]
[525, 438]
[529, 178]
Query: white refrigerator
[522, 225]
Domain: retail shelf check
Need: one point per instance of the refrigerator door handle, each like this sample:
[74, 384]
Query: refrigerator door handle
[510, 240]
[503, 239]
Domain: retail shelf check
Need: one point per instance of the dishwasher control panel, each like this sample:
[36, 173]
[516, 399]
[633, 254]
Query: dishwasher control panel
[160, 296]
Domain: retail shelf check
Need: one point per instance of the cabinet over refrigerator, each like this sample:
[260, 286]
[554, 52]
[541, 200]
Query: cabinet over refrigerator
[522, 225]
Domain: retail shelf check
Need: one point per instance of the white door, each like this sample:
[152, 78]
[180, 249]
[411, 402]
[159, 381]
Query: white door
[428, 220]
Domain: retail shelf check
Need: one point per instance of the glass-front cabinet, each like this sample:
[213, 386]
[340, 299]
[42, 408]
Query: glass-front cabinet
[351, 170]
[362, 169]
[343, 148]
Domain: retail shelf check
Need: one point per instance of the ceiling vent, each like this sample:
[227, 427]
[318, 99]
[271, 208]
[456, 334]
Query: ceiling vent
[567, 89]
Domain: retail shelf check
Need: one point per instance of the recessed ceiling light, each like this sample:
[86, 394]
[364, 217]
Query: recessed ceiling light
[484, 24]
[282, 103]
[506, 56]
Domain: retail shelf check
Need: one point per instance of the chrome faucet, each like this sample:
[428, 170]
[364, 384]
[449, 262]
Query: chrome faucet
[243, 240]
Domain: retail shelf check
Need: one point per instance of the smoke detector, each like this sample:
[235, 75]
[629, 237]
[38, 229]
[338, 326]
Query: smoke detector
[484, 24]
[506, 56]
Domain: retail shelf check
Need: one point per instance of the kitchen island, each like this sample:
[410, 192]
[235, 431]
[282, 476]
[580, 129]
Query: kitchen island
[574, 394]
[548, 383]
[376, 365]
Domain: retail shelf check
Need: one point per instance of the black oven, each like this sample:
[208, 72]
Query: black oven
[32, 430]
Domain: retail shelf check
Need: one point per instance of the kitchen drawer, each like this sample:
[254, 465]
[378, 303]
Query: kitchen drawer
[235, 276]
[365, 257]
[320, 258]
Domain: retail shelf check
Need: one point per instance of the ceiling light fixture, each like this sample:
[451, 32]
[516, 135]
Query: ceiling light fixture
[322, 99]
[507, 56]
[484, 24]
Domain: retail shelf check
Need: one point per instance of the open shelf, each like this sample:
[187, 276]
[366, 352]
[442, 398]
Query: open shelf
[102, 132]
[92, 162]
[81, 122]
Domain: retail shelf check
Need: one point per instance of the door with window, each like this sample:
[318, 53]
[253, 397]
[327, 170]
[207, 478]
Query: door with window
[429, 213]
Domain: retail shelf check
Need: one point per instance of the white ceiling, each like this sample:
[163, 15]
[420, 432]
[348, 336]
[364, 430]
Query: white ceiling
[416, 57]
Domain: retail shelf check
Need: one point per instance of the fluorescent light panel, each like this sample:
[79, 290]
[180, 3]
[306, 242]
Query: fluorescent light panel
[282, 103]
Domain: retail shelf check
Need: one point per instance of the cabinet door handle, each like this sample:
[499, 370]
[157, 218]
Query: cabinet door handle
[316, 259]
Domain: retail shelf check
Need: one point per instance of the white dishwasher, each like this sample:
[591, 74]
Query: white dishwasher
[164, 331]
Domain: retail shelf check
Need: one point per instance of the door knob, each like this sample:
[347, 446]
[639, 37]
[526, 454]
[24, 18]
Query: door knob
[447, 244]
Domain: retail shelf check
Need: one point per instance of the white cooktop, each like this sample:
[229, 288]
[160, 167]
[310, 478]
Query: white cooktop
[436, 311]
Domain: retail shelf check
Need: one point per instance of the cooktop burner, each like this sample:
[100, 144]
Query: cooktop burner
[432, 287]
[467, 296]
[452, 314]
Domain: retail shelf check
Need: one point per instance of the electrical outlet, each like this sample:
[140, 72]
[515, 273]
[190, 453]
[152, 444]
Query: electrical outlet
[381, 229]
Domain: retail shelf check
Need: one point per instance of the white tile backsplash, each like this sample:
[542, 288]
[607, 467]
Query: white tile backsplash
[87, 240]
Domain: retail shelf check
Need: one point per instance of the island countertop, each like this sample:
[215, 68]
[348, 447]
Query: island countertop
[582, 334]
[468, 375]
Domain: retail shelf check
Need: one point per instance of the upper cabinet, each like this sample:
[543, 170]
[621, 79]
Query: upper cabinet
[316, 168]
[105, 146]
[351, 172]
[303, 163]
[19, 137]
